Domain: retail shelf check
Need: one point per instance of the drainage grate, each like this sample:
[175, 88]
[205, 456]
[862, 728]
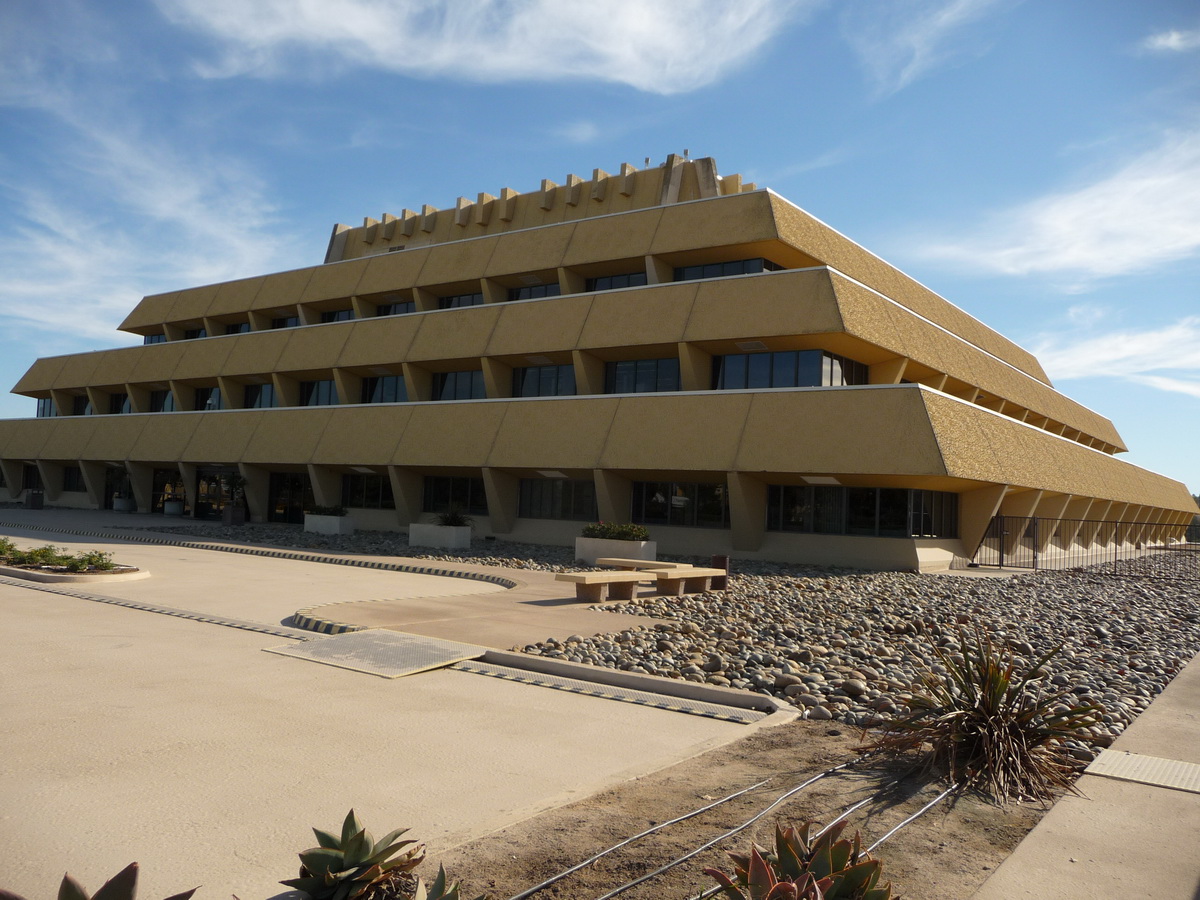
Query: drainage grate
[389, 654]
[610, 692]
[1168, 773]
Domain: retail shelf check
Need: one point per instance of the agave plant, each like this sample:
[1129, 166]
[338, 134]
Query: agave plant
[347, 866]
[439, 890]
[992, 724]
[122, 886]
[823, 867]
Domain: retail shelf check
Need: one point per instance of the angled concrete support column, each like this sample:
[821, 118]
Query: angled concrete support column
[326, 485]
[889, 371]
[52, 478]
[407, 488]
[659, 271]
[497, 378]
[503, 493]
[747, 510]
[695, 368]
[258, 491]
[349, 386]
[1019, 505]
[1075, 513]
[614, 496]
[233, 392]
[589, 372]
[187, 477]
[13, 470]
[1050, 510]
[418, 382]
[975, 511]
[93, 478]
[141, 482]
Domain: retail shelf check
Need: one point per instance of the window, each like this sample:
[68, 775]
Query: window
[318, 393]
[882, 512]
[615, 282]
[636, 376]
[192, 334]
[119, 403]
[534, 292]
[558, 498]
[544, 381]
[162, 401]
[442, 494]
[396, 309]
[237, 328]
[45, 408]
[455, 301]
[720, 270]
[686, 504]
[337, 315]
[154, 339]
[285, 322]
[81, 405]
[466, 385]
[384, 389]
[367, 491]
[73, 480]
[258, 396]
[786, 368]
[31, 478]
[208, 398]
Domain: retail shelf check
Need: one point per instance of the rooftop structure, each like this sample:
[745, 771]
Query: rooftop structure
[665, 346]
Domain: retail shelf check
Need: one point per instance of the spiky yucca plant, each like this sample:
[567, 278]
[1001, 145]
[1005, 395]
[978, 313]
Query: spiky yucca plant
[439, 890]
[991, 724]
[347, 866]
[824, 867]
[122, 886]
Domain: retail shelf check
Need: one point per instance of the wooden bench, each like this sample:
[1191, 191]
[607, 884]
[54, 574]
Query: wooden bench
[694, 580]
[600, 586]
[645, 565]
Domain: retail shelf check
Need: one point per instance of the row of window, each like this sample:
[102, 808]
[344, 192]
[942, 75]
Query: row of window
[791, 368]
[530, 292]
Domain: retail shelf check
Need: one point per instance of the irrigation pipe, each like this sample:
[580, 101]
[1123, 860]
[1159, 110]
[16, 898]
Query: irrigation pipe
[591, 859]
[920, 812]
[728, 834]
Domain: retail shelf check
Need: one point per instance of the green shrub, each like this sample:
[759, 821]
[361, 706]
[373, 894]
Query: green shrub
[46, 556]
[455, 518]
[90, 559]
[615, 531]
[7, 548]
[991, 724]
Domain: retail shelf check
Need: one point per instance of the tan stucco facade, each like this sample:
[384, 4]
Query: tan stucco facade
[939, 402]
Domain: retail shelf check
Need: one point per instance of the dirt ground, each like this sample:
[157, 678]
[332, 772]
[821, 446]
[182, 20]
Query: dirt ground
[944, 855]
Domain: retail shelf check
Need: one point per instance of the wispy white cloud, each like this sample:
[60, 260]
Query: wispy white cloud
[900, 41]
[660, 46]
[1172, 41]
[1165, 358]
[579, 132]
[1142, 215]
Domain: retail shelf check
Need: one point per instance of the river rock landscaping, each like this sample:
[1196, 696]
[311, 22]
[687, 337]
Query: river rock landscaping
[852, 646]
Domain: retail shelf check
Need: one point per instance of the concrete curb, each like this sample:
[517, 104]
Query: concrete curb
[73, 577]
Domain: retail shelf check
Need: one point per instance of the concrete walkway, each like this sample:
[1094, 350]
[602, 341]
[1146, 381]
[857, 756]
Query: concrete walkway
[127, 735]
[1123, 838]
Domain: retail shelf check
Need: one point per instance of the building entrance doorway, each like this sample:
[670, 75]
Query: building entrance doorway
[289, 495]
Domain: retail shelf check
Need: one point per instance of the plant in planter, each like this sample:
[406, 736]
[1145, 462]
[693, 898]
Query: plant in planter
[450, 530]
[619, 539]
[328, 520]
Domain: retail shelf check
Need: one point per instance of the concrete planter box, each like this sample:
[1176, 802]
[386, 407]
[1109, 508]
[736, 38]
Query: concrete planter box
[589, 550]
[124, 504]
[172, 507]
[447, 537]
[328, 524]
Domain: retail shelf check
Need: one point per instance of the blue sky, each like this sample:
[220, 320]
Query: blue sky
[1037, 163]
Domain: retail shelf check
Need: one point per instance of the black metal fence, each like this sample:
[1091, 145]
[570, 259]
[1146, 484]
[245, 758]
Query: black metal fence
[1018, 542]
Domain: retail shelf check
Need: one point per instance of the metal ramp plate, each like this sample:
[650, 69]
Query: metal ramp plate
[1168, 773]
[610, 692]
[388, 654]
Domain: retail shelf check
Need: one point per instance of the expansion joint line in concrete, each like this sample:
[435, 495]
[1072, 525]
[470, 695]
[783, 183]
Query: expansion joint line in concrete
[278, 554]
[294, 634]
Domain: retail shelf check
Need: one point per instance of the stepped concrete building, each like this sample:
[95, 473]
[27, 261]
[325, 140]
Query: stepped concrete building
[664, 346]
